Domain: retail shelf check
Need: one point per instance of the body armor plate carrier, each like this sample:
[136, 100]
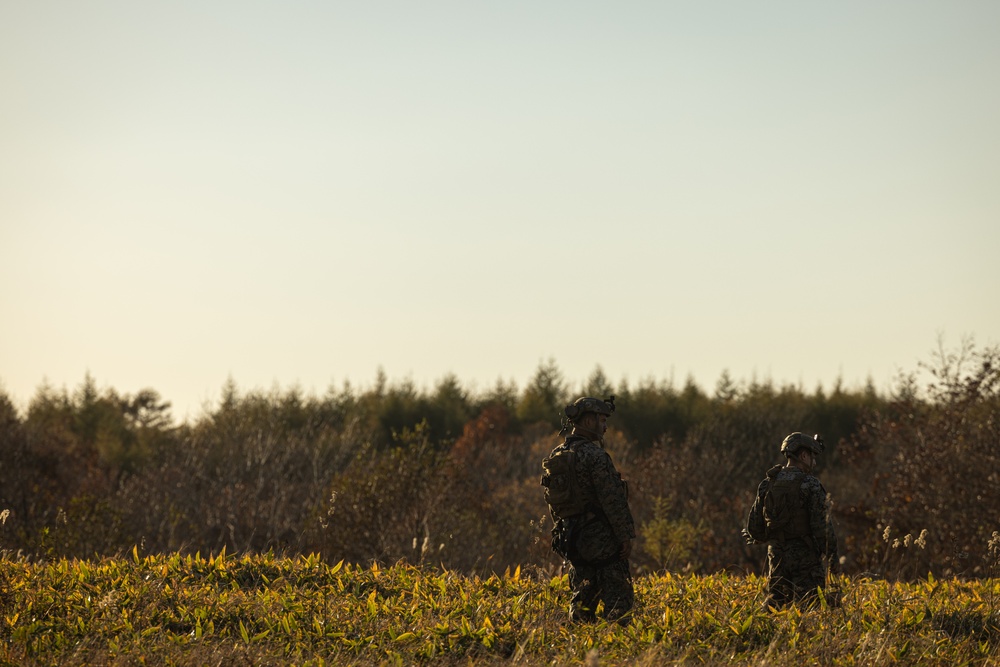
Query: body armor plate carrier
[785, 513]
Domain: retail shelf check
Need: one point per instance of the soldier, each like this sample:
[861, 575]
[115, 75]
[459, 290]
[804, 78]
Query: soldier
[792, 515]
[588, 501]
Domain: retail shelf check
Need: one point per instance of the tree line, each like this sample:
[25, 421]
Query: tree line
[450, 477]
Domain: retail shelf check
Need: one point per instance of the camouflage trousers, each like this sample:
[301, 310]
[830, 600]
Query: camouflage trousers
[610, 584]
[795, 573]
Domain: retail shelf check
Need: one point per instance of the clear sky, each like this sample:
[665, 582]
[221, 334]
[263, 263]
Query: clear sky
[299, 193]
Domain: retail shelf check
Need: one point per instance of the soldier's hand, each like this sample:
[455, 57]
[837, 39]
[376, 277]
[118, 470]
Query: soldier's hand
[626, 549]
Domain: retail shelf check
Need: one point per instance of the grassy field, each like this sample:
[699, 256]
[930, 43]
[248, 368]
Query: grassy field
[266, 610]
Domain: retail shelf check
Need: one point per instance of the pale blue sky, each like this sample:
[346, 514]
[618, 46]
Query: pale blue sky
[299, 193]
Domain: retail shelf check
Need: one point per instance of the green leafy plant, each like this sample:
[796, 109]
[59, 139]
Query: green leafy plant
[224, 609]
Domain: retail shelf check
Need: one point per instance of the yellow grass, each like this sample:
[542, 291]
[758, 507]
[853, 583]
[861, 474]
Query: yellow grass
[220, 610]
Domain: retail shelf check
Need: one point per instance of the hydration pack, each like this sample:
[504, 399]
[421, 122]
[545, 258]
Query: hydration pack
[562, 493]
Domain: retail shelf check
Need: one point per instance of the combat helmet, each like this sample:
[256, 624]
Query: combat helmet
[796, 441]
[585, 404]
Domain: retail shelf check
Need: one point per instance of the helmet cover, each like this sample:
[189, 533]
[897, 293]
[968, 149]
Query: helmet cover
[796, 441]
[585, 404]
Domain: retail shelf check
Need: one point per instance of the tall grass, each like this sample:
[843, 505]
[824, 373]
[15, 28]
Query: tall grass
[269, 610]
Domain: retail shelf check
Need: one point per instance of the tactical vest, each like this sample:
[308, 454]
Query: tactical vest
[785, 512]
[562, 492]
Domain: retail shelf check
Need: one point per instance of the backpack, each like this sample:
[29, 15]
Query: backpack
[756, 528]
[562, 493]
[777, 511]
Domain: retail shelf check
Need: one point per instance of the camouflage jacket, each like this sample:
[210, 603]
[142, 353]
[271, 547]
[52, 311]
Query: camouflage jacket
[601, 485]
[817, 505]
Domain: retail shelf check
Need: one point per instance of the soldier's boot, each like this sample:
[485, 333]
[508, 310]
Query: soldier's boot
[772, 603]
[622, 618]
[581, 614]
[620, 609]
[834, 597]
[777, 599]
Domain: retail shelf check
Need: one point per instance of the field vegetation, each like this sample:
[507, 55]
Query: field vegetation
[264, 610]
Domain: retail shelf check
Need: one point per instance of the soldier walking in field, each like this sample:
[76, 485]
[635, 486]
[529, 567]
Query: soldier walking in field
[791, 513]
[588, 501]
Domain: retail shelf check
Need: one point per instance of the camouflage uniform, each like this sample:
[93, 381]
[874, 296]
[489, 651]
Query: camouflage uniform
[795, 559]
[595, 537]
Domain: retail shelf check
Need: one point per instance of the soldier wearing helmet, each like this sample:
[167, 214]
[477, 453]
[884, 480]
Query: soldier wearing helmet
[593, 525]
[797, 524]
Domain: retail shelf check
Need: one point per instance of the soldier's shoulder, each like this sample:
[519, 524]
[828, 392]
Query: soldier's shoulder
[580, 443]
[786, 473]
[589, 451]
[560, 447]
[812, 483]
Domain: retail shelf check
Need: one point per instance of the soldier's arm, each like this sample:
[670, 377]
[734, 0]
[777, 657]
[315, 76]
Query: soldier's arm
[821, 520]
[610, 491]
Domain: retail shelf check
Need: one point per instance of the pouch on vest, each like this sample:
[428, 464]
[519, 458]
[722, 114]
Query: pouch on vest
[562, 492]
[564, 537]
